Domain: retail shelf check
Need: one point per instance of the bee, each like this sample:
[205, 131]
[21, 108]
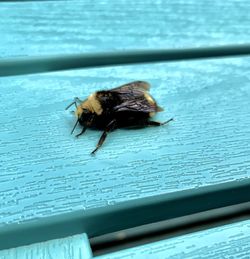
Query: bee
[129, 105]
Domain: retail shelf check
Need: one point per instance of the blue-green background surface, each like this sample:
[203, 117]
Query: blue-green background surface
[46, 171]
[40, 27]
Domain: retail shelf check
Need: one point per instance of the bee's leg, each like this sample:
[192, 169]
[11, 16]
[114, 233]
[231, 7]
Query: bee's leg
[111, 126]
[156, 123]
[74, 126]
[83, 130]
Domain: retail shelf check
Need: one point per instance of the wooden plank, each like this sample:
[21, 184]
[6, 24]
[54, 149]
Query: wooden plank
[65, 248]
[46, 171]
[55, 27]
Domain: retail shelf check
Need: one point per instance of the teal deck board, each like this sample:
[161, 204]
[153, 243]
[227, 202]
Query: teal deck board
[75, 247]
[35, 28]
[229, 241]
[45, 171]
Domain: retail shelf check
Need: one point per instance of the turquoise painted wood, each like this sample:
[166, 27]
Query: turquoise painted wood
[45, 171]
[75, 247]
[80, 26]
[229, 241]
[55, 172]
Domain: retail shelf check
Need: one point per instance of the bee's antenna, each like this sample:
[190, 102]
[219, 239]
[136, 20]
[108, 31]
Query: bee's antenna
[76, 99]
[70, 105]
[75, 126]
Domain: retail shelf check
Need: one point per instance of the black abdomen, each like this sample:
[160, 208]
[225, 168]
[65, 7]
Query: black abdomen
[123, 119]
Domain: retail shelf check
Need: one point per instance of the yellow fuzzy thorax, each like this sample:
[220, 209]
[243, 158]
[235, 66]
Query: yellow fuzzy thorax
[91, 104]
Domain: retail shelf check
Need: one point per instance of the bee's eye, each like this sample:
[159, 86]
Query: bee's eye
[85, 110]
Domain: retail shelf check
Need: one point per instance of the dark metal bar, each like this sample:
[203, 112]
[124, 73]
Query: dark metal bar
[39, 64]
[125, 215]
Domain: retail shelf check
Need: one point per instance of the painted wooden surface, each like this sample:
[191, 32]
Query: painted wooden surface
[229, 241]
[34, 28]
[46, 171]
[75, 247]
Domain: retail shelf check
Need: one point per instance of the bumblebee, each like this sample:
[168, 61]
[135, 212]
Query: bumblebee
[129, 105]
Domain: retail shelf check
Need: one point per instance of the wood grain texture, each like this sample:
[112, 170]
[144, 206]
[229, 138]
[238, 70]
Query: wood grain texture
[34, 28]
[230, 241]
[75, 247]
[47, 171]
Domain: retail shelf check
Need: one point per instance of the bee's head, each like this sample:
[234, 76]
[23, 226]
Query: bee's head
[84, 113]
[82, 109]
[87, 110]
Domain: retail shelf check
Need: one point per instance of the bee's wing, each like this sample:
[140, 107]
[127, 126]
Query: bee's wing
[131, 91]
[132, 87]
[136, 105]
[133, 98]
